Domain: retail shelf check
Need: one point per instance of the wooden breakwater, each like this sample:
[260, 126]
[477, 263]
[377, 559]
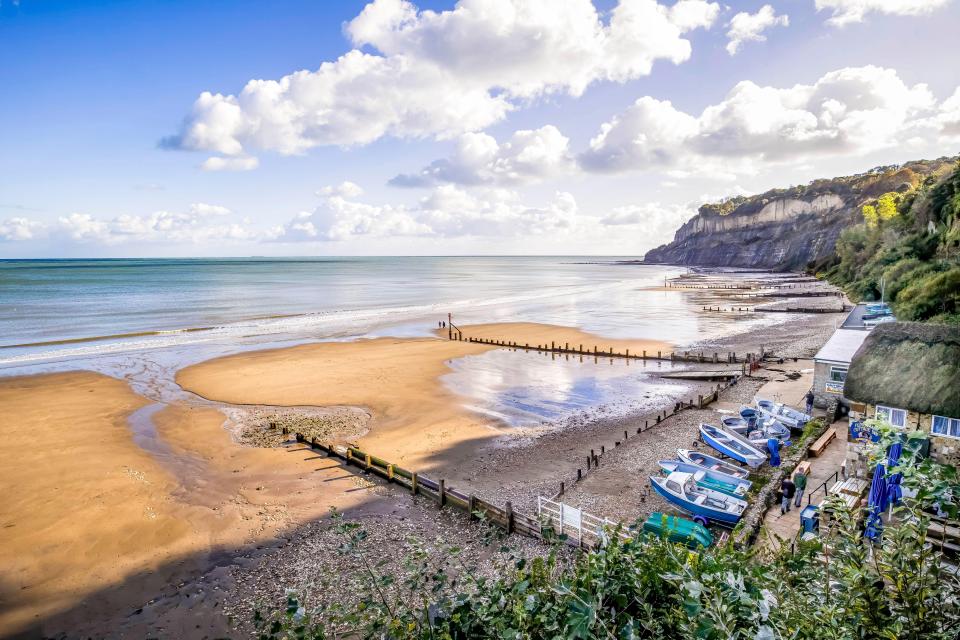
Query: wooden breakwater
[719, 309]
[566, 348]
[418, 484]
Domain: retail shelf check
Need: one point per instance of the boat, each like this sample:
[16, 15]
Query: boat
[706, 505]
[740, 425]
[778, 411]
[709, 479]
[706, 461]
[749, 415]
[677, 529]
[769, 429]
[732, 444]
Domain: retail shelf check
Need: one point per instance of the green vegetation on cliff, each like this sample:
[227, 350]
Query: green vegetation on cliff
[908, 246]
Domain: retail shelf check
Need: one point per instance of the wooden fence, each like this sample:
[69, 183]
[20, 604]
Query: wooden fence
[504, 517]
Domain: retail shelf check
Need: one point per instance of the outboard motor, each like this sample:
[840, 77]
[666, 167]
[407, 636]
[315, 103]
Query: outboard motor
[750, 415]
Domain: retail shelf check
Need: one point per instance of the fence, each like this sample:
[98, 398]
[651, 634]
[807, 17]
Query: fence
[582, 529]
[504, 517]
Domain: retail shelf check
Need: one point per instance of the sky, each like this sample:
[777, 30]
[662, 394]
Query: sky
[295, 127]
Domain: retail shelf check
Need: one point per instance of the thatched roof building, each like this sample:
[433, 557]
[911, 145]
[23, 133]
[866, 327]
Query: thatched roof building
[908, 365]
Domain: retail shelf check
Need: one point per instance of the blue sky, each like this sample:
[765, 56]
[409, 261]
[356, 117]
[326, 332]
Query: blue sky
[92, 88]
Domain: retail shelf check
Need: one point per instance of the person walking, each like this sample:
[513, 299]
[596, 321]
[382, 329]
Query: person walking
[787, 489]
[799, 483]
[809, 399]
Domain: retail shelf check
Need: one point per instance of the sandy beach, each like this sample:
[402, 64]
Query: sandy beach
[148, 514]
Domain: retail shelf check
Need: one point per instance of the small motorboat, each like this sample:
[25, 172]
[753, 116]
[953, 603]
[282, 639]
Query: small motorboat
[769, 429]
[740, 425]
[732, 444]
[706, 461]
[706, 505]
[677, 529]
[708, 478]
[781, 413]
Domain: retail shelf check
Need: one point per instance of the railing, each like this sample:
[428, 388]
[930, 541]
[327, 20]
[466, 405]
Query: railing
[823, 485]
[580, 527]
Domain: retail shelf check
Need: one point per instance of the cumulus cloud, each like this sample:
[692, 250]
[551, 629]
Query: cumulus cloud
[14, 229]
[528, 156]
[200, 223]
[220, 163]
[448, 211]
[844, 12]
[850, 111]
[746, 27]
[440, 74]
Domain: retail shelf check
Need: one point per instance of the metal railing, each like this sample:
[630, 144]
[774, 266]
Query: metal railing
[823, 485]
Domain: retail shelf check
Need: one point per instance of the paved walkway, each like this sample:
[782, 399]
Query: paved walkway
[822, 468]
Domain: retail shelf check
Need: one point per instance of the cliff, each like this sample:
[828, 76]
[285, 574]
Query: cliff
[786, 228]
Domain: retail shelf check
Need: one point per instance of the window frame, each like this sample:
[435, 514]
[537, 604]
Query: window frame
[947, 434]
[834, 368]
[888, 420]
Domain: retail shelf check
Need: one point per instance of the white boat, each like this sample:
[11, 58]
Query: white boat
[711, 463]
[732, 444]
[778, 411]
[705, 504]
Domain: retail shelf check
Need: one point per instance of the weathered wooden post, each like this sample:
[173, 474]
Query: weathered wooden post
[658, 356]
[390, 472]
[700, 401]
[508, 508]
[443, 493]
[450, 326]
[646, 423]
[552, 346]
[603, 449]
[628, 353]
[413, 483]
[624, 434]
[366, 460]
[561, 487]
[579, 474]
[588, 463]
[313, 443]
[349, 455]
[471, 507]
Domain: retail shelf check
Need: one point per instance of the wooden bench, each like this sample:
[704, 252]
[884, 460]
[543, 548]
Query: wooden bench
[817, 448]
[803, 467]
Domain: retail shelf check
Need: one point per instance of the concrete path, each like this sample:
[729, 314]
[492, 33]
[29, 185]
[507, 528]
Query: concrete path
[780, 529]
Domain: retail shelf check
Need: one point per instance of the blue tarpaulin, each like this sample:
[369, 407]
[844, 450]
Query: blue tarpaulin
[876, 502]
[773, 446]
[894, 492]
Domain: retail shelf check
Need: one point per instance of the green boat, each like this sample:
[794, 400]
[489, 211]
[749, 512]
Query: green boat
[677, 529]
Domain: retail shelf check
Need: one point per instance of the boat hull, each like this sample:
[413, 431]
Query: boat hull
[715, 480]
[677, 529]
[714, 515]
[745, 453]
[710, 463]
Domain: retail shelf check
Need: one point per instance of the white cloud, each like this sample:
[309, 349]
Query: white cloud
[850, 111]
[345, 189]
[440, 74]
[18, 229]
[448, 211]
[746, 27]
[220, 163]
[844, 12]
[204, 209]
[528, 156]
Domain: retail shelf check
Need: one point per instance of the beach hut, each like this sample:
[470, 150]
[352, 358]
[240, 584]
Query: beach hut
[908, 374]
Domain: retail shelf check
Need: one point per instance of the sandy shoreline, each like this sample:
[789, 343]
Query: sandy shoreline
[149, 521]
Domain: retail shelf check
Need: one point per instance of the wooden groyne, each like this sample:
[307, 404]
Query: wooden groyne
[719, 309]
[418, 484]
[566, 348]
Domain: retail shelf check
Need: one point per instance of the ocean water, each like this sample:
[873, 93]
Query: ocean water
[143, 319]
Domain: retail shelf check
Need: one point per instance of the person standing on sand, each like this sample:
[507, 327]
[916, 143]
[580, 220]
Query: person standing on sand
[800, 483]
[809, 399]
[787, 489]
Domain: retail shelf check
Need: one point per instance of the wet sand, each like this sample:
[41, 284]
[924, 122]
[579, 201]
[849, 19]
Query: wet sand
[93, 525]
[414, 418]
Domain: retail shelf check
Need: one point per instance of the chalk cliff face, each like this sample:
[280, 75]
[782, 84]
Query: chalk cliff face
[785, 228]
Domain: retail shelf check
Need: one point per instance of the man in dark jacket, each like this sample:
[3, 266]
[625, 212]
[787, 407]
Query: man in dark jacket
[787, 489]
[809, 399]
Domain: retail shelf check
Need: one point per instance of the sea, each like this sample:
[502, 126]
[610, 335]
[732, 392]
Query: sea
[142, 319]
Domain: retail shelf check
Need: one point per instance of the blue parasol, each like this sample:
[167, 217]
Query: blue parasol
[773, 446]
[894, 492]
[876, 502]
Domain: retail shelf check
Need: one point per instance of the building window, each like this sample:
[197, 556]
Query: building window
[943, 426]
[838, 374]
[896, 417]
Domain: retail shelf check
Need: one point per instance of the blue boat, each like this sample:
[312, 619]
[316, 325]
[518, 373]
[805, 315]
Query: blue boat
[709, 479]
[704, 504]
[730, 443]
[757, 433]
[707, 461]
[781, 413]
